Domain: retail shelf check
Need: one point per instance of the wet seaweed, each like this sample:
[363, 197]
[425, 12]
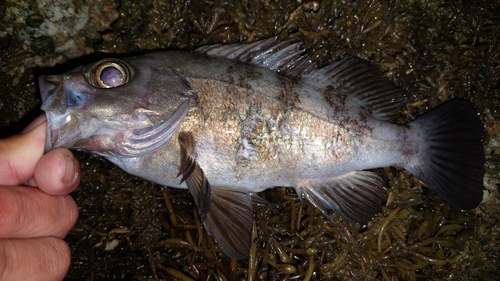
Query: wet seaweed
[134, 230]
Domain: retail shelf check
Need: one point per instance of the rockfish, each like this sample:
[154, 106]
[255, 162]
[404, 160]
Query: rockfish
[228, 121]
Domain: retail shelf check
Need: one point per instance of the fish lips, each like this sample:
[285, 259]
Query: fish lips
[47, 88]
[54, 107]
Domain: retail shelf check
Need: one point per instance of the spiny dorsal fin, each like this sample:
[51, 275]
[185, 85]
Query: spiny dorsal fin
[287, 56]
[362, 82]
[356, 196]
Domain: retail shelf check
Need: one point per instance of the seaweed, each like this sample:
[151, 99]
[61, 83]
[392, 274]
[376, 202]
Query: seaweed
[134, 230]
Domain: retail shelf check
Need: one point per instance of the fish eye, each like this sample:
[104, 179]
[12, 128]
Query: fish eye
[109, 73]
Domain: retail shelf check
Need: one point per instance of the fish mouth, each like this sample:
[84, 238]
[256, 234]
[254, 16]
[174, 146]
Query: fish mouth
[49, 86]
[48, 138]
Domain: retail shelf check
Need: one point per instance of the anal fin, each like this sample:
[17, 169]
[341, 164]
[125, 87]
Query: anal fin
[227, 214]
[356, 196]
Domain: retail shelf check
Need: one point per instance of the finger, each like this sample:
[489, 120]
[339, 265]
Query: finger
[20, 153]
[40, 259]
[27, 212]
[35, 123]
[57, 172]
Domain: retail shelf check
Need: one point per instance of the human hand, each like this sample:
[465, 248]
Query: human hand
[36, 211]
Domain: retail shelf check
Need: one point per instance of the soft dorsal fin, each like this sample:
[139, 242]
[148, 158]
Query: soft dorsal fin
[362, 82]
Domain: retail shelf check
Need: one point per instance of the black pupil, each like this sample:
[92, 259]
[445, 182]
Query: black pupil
[111, 77]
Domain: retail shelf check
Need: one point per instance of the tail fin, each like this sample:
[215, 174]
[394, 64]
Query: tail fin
[451, 160]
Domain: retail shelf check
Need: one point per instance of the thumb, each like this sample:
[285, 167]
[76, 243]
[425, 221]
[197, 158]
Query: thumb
[20, 153]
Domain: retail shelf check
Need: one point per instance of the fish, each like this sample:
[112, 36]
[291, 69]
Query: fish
[229, 121]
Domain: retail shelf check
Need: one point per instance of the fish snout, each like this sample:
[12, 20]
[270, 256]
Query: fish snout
[50, 88]
[48, 84]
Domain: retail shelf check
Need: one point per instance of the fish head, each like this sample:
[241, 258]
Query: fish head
[115, 107]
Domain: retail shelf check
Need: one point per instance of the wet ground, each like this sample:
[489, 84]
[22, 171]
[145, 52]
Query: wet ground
[130, 229]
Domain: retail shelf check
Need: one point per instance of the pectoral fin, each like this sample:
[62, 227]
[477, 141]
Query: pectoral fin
[194, 176]
[227, 214]
[356, 196]
[230, 221]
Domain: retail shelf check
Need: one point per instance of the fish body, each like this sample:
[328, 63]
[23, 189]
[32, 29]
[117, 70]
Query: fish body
[252, 136]
[229, 121]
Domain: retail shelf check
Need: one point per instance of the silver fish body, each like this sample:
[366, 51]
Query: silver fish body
[253, 136]
[238, 119]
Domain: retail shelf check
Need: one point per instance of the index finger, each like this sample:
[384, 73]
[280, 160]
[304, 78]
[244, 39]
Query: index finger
[20, 153]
